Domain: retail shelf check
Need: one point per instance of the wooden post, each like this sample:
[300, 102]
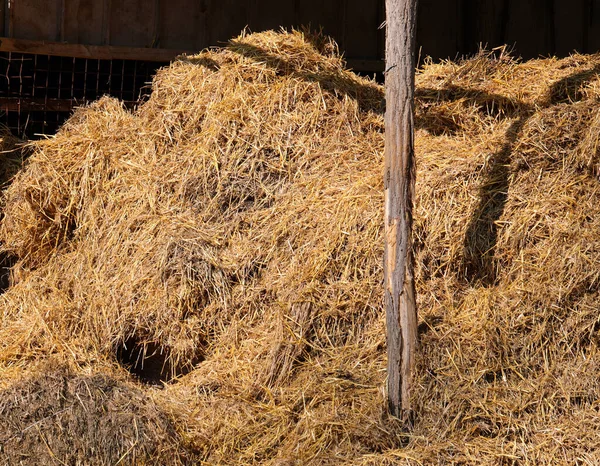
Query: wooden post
[399, 182]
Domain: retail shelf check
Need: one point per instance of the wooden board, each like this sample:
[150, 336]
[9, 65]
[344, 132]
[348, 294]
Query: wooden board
[183, 25]
[361, 29]
[226, 20]
[484, 25]
[265, 14]
[569, 21]
[3, 7]
[320, 15]
[132, 23]
[530, 27]
[593, 26]
[36, 19]
[439, 31]
[15, 104]
[99, 52]
[83, 22]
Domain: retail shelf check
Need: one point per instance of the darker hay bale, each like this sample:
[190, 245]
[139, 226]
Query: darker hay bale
[58, 417]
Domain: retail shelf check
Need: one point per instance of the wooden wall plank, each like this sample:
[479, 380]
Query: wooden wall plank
[226, 20]
[343, 17]
[251, 15]
[485, 25]
[593, 29]
[35, 19]
[132, 23]
[320, 15]
[361, 33]
[381, 28]
[3, 8]
[180, 24]
[10, 19]
[439, 30]
[83, 22]
[60, 20]
[530, 27]
[267, 14]
[569, 19]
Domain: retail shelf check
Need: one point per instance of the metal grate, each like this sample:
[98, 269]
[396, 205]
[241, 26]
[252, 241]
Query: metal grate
[38, 92]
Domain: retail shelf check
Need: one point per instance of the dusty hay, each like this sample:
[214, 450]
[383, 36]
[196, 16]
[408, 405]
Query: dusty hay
[56, 417]
[232, 225]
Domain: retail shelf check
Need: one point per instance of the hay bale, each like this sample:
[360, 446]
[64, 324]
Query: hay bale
[232, 226]
[59, 417]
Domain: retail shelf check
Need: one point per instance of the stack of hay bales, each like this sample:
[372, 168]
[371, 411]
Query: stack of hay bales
[226, 236]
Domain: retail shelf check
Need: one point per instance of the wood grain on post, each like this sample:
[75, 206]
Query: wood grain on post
[401, 312]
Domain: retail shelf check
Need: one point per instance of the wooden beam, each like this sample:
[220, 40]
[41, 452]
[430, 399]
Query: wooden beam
[17, 104]
[103, 52]
[399, 185]
[99, 52]
[28, 104]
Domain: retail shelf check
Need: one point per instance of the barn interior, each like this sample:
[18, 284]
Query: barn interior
[55, 56]
[191, 268]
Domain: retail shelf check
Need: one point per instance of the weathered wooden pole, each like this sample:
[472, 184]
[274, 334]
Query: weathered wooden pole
[399, 182]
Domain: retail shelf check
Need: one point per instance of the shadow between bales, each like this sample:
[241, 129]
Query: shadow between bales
[490, 104]
[204, 61]
[479, 264]
[152, 364]
[569, 89]
[7, 262]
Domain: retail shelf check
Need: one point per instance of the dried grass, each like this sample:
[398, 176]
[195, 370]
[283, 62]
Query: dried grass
[12, 153]
[56, 417]
[232, 224]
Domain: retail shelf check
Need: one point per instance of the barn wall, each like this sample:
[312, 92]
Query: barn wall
[2, 18]
[531, 28]
[193, 24]
[446, 28]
